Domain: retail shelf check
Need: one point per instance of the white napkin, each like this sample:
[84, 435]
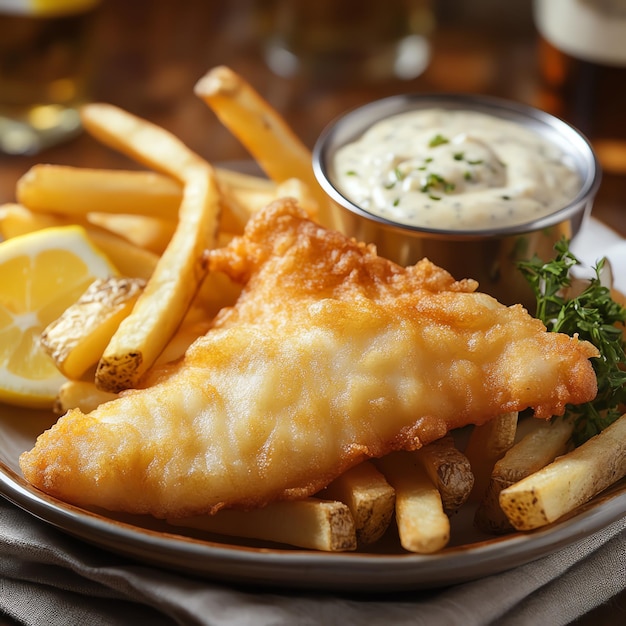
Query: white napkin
[597, 240]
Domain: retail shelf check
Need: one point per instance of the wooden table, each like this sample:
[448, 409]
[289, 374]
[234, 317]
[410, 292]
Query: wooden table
[150, 53]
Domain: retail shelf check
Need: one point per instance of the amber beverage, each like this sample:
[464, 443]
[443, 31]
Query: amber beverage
[45, 67]
[582, 61]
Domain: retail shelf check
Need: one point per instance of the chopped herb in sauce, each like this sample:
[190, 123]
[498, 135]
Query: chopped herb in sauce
[437, 157]
[435, 181]
[438, 140]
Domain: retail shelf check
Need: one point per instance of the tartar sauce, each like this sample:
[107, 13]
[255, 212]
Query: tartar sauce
[451, 169]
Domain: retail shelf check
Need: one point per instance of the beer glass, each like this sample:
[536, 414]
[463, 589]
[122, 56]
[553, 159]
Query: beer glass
[583, 70]
[45, 65]
[346, 40]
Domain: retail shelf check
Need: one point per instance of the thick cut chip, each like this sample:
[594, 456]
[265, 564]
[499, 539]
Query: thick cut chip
[449, 470]
[310, 523]
[370, 498]
[423, 525]
[78, 337]
[162, 305]
[569, 481]
[535, 450]
[330, 355]
[261, 129]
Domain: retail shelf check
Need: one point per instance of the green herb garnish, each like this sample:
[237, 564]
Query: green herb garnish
[435, 181]
[592, 315]
[438, 140]
[398, 173]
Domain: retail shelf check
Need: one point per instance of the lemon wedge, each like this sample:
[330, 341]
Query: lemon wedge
[41, 274]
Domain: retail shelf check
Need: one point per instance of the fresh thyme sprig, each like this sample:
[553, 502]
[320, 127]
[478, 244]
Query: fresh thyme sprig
[592, 314]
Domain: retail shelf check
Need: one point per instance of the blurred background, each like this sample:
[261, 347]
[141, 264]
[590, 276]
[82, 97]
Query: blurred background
[312, 61]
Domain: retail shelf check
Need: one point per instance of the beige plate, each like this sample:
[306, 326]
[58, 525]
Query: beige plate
[469, 556]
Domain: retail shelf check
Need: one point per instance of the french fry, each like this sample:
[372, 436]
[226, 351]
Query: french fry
[486, 445]
[535, 450]
[311, 523]
[16, 219]
[243, 181]
[259, 127]
[77, 339]
[423, 526]
[129, 259]
[80, 394]
[249, 201]
[370, 498]
[180, 270]
[150, 233]
[569, 481]
[76, 191]
[449, 470]
[295, 188]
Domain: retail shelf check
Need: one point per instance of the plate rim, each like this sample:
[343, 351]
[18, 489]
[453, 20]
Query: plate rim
[306, 569]
[295, 568]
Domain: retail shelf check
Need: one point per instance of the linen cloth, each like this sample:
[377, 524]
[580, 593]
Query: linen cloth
[49, 578]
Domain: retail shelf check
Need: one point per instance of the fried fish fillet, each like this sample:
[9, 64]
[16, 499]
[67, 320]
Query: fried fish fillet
[331, 355]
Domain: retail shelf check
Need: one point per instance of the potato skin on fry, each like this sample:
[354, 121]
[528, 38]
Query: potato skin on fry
[540, 446]
[369, 497]
[310, 523]
[117, 372]
[160, 309]
[450, 471]
[571, 480]
[76, 340]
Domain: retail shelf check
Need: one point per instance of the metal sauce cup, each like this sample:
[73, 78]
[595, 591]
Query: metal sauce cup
[490, 256]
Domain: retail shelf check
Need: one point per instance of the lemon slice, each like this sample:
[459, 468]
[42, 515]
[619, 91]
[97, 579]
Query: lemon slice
[41, 274]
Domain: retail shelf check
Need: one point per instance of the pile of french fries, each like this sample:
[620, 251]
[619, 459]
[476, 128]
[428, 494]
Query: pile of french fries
[156, 224]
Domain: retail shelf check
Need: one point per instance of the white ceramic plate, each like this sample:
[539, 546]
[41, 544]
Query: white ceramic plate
[470, 554]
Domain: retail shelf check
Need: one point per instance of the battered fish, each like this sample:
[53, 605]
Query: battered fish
[331, 355]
